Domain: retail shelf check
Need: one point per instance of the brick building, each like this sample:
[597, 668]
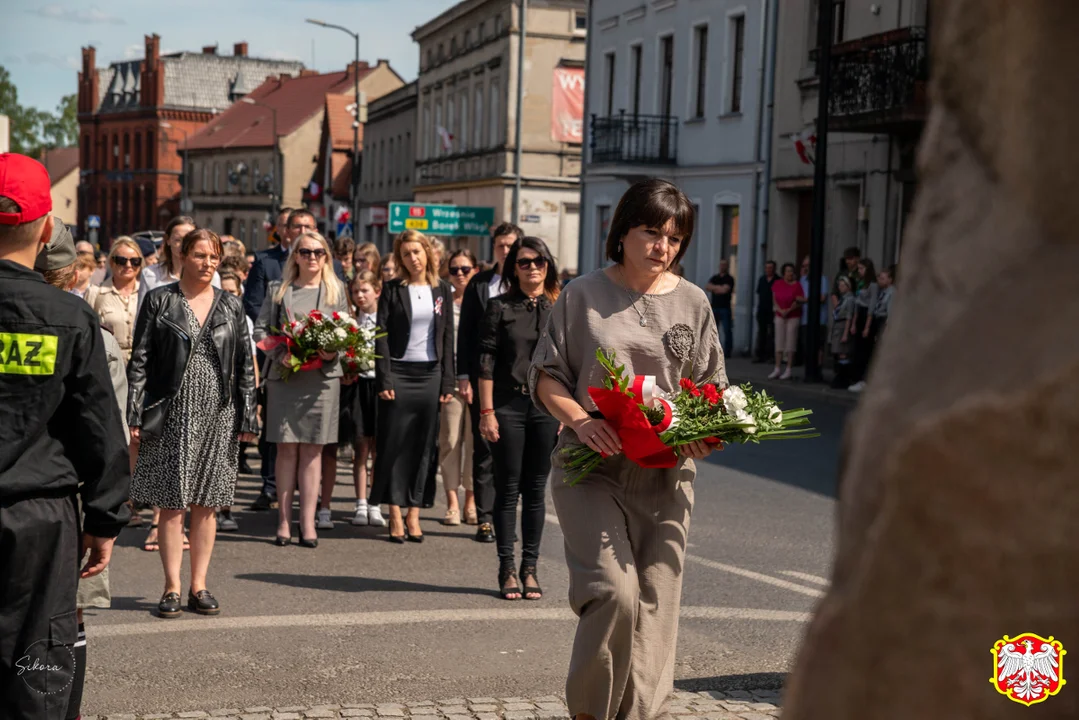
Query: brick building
[135, 114]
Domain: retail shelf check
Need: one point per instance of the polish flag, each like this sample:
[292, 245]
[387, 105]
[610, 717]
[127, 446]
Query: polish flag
[447, 138]
[805, 144]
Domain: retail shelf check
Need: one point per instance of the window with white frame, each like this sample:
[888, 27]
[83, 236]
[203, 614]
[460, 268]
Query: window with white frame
[700, 69]
[477, 140]
[666, 74]
[494, 132]
[462, 132]
[738, 47]
[608, 79]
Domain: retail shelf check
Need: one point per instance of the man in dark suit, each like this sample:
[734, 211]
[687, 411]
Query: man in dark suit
[481, 288]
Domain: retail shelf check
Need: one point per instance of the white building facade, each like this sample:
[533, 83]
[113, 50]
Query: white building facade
[675, 90]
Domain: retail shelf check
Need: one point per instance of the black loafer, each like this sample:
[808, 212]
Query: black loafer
[169, 607]
[486, 533]
[203, 603]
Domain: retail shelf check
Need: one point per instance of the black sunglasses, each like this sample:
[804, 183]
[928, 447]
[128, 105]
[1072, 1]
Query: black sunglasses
[308, 253]
[539, 262]
[123, 261]
[461, 270]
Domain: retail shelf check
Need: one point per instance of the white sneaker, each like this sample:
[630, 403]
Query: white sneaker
[857, 387]
[786, 375]
[774, 374]
[324, 521]
[360, 518]
[374, 517]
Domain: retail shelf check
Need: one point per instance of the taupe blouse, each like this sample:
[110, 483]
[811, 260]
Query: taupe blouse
[678, 340]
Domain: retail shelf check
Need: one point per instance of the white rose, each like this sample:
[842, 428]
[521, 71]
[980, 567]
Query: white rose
[340, 333]
[734, 400]
[775, 415]
[750, 423]
[366, 365]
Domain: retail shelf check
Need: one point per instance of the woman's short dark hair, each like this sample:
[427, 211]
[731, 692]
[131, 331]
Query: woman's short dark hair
[463, 252]
[202, 234]
[786, 265]
[551, 283]
[652, 203]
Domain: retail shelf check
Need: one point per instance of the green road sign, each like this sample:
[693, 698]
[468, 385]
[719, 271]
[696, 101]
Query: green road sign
[440, 219]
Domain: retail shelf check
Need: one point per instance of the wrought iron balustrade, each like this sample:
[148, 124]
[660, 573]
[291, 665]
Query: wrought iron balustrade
[879, 81]
[634, 139]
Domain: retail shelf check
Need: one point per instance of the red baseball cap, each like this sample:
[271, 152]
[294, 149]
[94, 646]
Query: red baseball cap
[26, 181]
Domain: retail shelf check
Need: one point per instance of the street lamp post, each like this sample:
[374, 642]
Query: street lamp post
[277, 185]
[355, 184]
[184, 198]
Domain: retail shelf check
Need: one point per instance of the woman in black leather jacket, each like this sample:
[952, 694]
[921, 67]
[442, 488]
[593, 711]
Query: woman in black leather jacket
[191, 400]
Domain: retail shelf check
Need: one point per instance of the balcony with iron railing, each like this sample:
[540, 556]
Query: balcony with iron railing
[879, 83]
[634, 139]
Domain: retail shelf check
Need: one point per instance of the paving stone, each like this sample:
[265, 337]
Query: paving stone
[484, 708]
[454, 710]
[452, 702]
[735, 705]
[222, 713]
[482, 701]
[554, 706]
[261, 709]
[256, 716]
[421, 704]
[326, 706]
[515, 700]
[427, 715]
[357, 712]
[762, 706]
[765, 694]
[520, 715]
[126, 716]
[487, 716]
[163, 716]
[460, 716]
[548, 699]
[518, 705]
[551, 712]
[710, 695]
[287, 716]
[192, 714]
[390, 712]
[680, 710]
[290, 709]
[320, 714]
[738, 695]
[720, 716]
[754, 716]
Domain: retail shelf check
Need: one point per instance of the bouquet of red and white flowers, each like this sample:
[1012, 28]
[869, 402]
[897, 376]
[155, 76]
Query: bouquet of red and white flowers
[359, 356]
[305, 338]
[652, 424]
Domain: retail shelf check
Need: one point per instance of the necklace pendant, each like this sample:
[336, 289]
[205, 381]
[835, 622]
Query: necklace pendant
[643, 322]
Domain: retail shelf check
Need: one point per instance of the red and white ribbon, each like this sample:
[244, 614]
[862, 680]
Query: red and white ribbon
[646, 393]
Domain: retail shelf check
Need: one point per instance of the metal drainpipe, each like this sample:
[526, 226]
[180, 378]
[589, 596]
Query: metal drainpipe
[515, 211]
[764, 158]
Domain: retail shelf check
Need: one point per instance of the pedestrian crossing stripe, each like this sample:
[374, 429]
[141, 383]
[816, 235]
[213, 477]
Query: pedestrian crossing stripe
[25, 354]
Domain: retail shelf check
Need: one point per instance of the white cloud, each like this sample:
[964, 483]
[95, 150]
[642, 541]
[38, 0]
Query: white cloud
[84, 16]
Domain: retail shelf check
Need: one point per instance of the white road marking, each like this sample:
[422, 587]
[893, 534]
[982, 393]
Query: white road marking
[407, 617]
[735, 570]
[817, 579]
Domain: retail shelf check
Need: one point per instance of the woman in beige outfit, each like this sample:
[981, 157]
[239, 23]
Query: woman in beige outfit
[625, 527]
[116, 300]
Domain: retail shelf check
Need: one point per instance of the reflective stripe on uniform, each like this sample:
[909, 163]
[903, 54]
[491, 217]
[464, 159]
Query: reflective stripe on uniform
[25, 354]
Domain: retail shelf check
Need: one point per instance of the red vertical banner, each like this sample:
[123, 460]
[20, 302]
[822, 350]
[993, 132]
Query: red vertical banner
[567, 105]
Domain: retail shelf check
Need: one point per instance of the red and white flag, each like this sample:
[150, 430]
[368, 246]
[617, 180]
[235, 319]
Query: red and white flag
[805, 144]
[446, 137]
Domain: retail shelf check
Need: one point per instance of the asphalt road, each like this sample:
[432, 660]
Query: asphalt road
[361, 620]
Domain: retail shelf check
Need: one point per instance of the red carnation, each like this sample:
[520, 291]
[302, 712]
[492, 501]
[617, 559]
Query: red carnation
[315, 315]
[689, 386]
[336, 315]
[710, 393]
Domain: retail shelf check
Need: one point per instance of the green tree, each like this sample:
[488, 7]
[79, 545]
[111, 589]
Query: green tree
[33, 130]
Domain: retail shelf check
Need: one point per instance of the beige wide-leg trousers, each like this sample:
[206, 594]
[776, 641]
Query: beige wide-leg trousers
[625, 534]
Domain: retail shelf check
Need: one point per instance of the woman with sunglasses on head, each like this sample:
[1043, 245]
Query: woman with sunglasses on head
[116, 300]
[302, 414]
[191, 400]
[167, 269]
[455, 425]
[625, 526]
[414, 374]
[521, 435]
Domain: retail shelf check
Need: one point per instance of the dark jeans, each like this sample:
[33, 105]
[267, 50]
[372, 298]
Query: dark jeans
[766, 338]
[483, 480]
[725, 323]
[522, 462]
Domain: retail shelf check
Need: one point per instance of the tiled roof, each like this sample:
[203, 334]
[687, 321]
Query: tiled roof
[340, 121]
[203, 81]
[60, 161]
[296, 100]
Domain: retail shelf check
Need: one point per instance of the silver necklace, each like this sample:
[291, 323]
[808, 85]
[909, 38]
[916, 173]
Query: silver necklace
[632, 302]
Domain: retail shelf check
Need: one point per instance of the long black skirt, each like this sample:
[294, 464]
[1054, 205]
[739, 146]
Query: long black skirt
[407, 432]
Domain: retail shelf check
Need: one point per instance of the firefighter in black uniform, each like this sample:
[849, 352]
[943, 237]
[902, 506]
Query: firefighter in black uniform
[60, 436]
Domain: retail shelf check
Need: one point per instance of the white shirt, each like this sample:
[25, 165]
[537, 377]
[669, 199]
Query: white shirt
[495, 286]
[157, 275]
[421, 338]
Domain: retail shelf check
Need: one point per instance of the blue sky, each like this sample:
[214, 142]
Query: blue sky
[42, 39]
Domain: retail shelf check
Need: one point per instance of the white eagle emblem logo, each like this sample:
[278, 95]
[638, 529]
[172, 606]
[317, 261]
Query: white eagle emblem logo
[1025, 674]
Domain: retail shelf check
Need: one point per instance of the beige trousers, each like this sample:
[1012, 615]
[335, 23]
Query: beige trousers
[625, 534]
[455, 445]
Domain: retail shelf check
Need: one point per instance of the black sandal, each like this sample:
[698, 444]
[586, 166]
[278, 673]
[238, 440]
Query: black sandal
[529, 571]
[504, 576]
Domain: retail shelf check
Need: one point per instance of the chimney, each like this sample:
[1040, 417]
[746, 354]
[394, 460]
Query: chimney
[240, 49]
[152, 82]
[362, 65]
[308, 72]
[209, 49]
[88, 82]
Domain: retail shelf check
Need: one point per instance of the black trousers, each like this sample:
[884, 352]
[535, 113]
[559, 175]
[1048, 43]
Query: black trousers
[407, 431]
[863, 347]
[766, 338]
[522, 462]
[483, 479]
[39, 569]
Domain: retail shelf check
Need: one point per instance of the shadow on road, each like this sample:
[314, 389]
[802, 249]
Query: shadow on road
[756, 681]
[358, 584]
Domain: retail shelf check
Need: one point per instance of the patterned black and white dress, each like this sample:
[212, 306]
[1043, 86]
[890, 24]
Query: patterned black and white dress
[193, 461]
